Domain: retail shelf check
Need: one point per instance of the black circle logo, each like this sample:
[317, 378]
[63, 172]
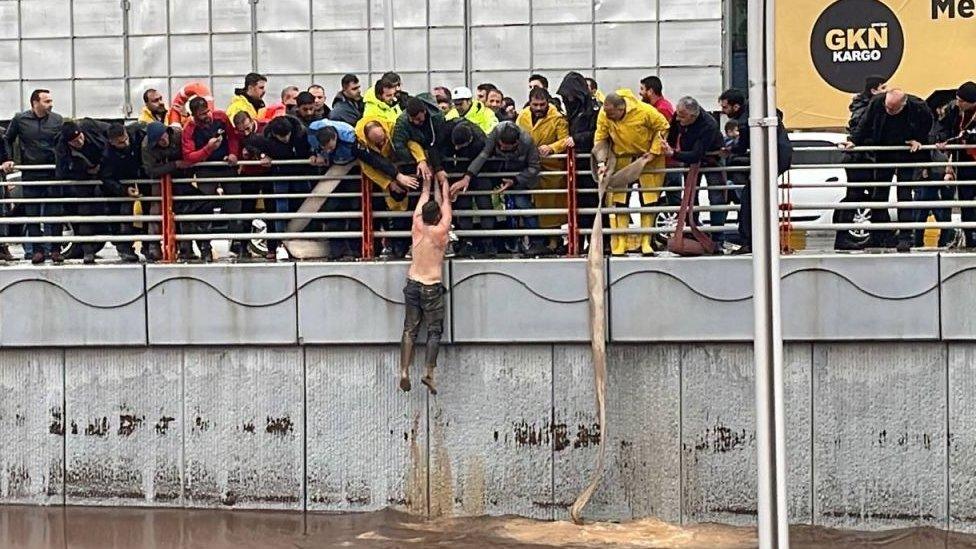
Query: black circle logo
[854, 39]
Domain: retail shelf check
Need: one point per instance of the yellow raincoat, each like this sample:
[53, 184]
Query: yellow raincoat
[240, 103]
[376, 176]
[643, 129]
[375, 107]
[479, 114]
[551, 130]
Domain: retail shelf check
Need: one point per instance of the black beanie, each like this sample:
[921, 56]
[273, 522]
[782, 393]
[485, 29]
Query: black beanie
[967, 92]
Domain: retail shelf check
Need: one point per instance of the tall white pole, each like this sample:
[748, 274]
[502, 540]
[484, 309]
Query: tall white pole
[768, 342]
[388, 35]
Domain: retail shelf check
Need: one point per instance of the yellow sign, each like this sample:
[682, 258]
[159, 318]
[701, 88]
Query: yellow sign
[825, 50]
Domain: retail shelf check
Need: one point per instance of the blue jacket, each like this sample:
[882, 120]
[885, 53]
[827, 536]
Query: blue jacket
[344, 151]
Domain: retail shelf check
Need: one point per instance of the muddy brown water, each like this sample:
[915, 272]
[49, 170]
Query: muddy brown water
[126, 528]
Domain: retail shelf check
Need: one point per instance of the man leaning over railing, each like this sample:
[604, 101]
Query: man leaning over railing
[78, 157]
[460, 142]
[285, 138]
[162, 155]
[210, 137]
[958, 127]
[122, 160]
[509, 148]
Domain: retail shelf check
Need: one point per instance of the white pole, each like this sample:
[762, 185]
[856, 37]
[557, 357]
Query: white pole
[768, 342]
[388, 34]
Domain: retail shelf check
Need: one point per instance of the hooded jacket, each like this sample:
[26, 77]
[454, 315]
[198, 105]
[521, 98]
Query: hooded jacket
[146, 116]
[118, 165]
[241, 102]
[375, 107]
[157, 161]
[582, 110]
[551, 130]
[424, 135]
[857, 107]
[345, 145]
[38, 137]
[376, 163]
[346, 110]
[784, 149]
[642, 129]
[447, 157]
[524, 159]
[297, 147]
[481, 115]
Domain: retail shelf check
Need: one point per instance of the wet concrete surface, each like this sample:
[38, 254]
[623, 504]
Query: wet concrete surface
[129, 528]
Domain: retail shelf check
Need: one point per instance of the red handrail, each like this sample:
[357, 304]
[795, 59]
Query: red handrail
[168, 222]
[571, 203]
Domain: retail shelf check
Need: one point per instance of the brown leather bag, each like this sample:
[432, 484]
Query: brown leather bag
[697, 243]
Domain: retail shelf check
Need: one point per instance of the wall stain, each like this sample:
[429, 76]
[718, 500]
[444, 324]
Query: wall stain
[162, 426]
[249, 427]
[587, 435]
[99, 428]
[57, 422]
[530, 435]
[128, 423]
[721, 439]
[74, 427]
[279, 426]
[560, 436]
[200, 424]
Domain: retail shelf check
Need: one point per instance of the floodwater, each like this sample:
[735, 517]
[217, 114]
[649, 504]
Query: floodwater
[128, 528]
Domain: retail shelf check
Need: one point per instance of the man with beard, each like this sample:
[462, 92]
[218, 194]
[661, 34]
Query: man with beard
[154, 108]
[348, 103]
[581, 114]
[958, 126]
[122, 160]
[78, 157]
[250, 98]
[305, 109]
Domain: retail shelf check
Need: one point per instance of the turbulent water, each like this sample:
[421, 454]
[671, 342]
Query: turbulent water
[115, 528]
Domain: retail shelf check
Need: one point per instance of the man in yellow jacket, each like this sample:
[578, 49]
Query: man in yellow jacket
[381, 101]
[250, 98]
[154, 107]
[471, 109]
[632, 129]
[378, 164]
[550, 132]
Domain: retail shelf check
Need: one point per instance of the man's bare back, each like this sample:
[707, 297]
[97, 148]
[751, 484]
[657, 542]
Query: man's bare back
[429, 242]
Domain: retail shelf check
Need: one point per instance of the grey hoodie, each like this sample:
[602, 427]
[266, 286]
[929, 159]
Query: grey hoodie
[524, 159]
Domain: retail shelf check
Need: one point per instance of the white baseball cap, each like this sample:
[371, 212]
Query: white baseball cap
[462, 92]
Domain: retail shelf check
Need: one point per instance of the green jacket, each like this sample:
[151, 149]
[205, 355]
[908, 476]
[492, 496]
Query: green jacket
[479, 114]
[424, 135]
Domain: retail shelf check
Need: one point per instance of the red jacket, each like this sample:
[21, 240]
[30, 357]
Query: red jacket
[194, 145]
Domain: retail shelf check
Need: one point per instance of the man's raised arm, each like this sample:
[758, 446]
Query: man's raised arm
[446, 211]
[424, 198]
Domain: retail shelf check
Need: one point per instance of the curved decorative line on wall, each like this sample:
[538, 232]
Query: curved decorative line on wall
[354, 279]
[784, 277]
[957, 273]
[220, 292]
[862, 290]
[524, 285]
[71, 295]
[683, 283]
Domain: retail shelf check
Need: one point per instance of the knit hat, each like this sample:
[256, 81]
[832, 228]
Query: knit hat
[69, 130]
[154, 131]
[967, 92]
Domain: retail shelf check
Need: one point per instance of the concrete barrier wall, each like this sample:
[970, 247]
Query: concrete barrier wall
[879, 435]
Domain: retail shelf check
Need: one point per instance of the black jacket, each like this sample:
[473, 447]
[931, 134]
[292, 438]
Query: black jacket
[871, 129]
[37, 137]
[346, 110]
[297, 147]
[449, 158]
[425, 135]
[581, 110]
[693, 141]
[75, 164]
[784, 149]
[858, 106]
[950, 128]
[118, 165]
[524, 159]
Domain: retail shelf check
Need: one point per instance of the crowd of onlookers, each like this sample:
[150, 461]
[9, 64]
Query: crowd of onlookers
[457, 137]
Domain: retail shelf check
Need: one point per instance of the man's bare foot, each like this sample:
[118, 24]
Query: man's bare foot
[405, 383]
[429, 382]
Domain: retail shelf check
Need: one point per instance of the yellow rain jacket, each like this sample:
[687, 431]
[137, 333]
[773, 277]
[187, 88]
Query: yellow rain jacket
[551, 130]
[642, 129]
[240, 103]
[375, 107]
[376, 176]
[479, 114]
[147, 116]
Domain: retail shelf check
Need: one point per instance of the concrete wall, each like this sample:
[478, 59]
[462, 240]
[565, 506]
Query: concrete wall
[178, 406]
[879, 435]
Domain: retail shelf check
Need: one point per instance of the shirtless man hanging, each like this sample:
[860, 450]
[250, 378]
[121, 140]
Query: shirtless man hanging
[424, 292]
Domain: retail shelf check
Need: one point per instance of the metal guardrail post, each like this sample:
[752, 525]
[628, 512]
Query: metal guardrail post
[571, 203]
[367, 209]
[169, 222]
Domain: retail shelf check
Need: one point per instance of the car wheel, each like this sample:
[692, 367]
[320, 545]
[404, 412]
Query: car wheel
[862, 216]
[258, 246]
[664, 220]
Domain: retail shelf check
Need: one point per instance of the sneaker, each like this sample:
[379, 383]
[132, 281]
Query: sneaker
[448, 252]
[537, 250]
[5, 253]
[89, 258]
[467, 249]
[207, 255]
[386, 253]
[904, 246]
[37, 258]
[57, 258]
[742, 250]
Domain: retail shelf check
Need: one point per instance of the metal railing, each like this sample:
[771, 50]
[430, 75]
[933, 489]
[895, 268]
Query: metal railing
[167, 223]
